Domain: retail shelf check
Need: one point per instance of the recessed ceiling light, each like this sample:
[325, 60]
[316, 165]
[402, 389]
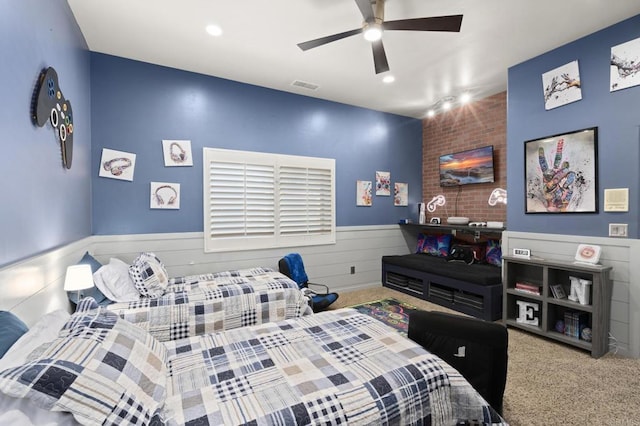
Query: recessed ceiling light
[388, 79]
[214, 30]
[446, 105]
[431, 113]
[465, 97]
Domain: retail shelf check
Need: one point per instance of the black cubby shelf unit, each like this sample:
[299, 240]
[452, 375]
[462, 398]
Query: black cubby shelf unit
[556, 314]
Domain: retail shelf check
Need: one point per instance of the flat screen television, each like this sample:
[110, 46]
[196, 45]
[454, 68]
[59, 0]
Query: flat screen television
[467, 167]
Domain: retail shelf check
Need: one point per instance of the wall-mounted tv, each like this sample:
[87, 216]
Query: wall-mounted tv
[467, 167]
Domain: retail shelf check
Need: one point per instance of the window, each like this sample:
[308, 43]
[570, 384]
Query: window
[255, 200]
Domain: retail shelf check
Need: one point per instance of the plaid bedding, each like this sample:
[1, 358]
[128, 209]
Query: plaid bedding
[199, 304]
[101, 369]
[336, 367]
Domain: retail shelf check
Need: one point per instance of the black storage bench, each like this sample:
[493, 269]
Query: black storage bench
[474, 289]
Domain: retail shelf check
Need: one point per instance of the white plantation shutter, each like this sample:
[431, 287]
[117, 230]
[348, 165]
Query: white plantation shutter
[242, 211]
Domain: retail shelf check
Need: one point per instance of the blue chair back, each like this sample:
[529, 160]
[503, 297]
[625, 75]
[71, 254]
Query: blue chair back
[296, 269]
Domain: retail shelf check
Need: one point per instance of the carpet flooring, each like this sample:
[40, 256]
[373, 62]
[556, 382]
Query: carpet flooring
[549, 383]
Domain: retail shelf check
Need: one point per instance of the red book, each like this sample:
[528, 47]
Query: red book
[528, 287]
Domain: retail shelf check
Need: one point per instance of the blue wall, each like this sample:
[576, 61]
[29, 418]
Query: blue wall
[136, 105]
[43, 204]
[616, 114]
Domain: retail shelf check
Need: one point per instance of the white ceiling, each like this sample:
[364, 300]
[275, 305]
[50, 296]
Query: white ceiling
[258, 44]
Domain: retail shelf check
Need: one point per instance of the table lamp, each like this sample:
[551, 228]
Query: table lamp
[79, 277]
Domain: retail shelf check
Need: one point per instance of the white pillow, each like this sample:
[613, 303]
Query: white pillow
[45, 330]
[113, 281]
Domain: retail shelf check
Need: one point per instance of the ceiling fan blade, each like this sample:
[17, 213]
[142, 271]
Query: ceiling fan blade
[328, 39]
[379, 57]
[366, 9]
[450, 23]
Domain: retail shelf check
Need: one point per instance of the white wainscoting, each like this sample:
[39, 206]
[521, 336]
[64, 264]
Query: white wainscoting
[33, 287]
[183, 254]
[621, 254]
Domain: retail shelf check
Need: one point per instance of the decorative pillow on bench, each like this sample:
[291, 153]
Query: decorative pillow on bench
[494, 253]
[435, 245]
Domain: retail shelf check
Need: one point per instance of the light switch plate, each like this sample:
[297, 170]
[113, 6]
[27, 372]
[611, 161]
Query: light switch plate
[618, 230]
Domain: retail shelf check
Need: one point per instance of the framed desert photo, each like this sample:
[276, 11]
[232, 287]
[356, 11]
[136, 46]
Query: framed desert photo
[561, 173]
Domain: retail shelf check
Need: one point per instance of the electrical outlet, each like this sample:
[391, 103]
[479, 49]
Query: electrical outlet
[618, 230]
[353, 270]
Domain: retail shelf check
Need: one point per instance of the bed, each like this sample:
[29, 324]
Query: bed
[335, 367]
[199, 304]
[174, 308]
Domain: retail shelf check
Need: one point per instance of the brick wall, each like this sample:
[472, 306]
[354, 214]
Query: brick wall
[480, 123]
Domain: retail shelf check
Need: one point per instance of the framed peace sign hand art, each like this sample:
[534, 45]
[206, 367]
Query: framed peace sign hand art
[561, 173]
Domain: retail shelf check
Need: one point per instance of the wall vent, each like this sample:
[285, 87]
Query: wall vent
[305, 85]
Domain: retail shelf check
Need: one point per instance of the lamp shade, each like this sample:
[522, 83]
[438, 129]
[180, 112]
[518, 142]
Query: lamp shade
[79, 277]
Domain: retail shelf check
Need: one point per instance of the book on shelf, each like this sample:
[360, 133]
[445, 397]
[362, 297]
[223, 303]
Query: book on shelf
[574, 322]
[526, 287]
[558, 291]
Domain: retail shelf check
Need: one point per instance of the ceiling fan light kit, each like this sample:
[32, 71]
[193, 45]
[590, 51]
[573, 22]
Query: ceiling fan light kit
[374, 25]
[372, 31]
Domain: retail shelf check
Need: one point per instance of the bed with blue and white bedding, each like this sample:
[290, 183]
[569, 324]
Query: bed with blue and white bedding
[336, 367]
[206, 303]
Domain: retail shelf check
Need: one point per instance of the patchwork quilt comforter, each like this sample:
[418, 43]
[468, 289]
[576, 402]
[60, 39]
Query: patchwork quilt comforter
[199, 304]
[337, 367]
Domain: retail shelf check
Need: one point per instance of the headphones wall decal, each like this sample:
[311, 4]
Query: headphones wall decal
[165, 195]
[117, 166]
[160, 200]
[177, 153]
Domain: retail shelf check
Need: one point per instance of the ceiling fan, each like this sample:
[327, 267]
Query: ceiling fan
[374, 24]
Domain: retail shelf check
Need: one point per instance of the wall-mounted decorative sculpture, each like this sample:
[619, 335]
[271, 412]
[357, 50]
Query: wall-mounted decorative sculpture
[51, 105]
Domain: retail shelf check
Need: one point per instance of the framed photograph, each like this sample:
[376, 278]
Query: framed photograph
[165, 195]
[561, 173]
[363, 193]
[177, 153]
[117, 164]
[561, 86]
[558, 291]
[401, 194]
[383, 183]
